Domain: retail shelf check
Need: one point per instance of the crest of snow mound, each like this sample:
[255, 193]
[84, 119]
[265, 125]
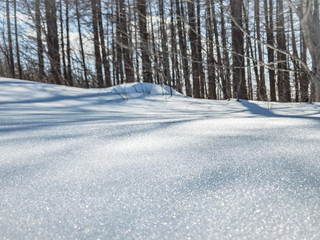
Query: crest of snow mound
[147, 89]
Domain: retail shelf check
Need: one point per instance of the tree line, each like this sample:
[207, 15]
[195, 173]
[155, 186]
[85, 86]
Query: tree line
[215, 49]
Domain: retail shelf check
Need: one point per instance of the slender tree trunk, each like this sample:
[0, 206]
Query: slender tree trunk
[226, 60]
[270, 41]
[11, 60]
[81, 45]
[128, 65]
[176, 77]
[249, 51]
[304, 78]
[210, 58]
[120, 73]
[1, 69]
[105, 61]
[194, 50]
[144, 43]
[155, 51]
[69, 72]
[41, 73]
[262, 93]
[216, 36]
[17, 39]
[295, 54]
[252, 55]
[64, 65]
[53, 40]
[164, 46]
[183, 48]
[202, 76]
[137, 64]
[283, 75]
[238, 49]
[96, 43]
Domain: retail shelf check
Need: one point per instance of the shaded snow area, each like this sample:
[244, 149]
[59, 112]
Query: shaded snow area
[133, 162]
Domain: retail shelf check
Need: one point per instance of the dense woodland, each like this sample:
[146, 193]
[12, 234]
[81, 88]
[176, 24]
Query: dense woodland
[266, 50]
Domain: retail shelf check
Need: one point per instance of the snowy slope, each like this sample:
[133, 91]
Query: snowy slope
[87, 164]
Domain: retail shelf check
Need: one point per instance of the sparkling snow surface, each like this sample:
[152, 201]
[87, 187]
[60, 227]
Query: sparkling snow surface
[87, 164]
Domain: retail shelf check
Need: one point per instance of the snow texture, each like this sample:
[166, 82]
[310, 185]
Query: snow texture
[133, 162]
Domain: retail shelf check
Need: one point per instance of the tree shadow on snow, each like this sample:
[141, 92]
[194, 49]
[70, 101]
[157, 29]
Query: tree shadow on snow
[260, 111]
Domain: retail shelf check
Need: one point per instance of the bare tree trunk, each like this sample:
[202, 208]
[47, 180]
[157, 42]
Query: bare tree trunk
[220, 65]
[262, 93]
[200, 66]
[164, 46]
[144, 42]
[253, 57]
[210, 58]
[183, 47]
[11, 60]
[155, 51]
[194, 50]
[237, 46]
[176, 77]
[53, 40]
[120, 74]
[96, 43]
[105, 61]
[137, 64]
[304, 78]
[64, 66]
[41, 73]
[270, 41]
[283, 76]
[81, 45]
[69, 72]
[128, 65]
[226, 60]
[17, 39]
[295, 53]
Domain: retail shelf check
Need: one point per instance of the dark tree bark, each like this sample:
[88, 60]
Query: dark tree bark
[164, 46]
[283, 75]
[194, 50]
[52, 40]
[144, 42]
[202, 77]
[96, 43]
[218, 51]
[261, 91]
[183, 48]
[270, 41]
[155, 52]
[119, 60]
[128, 65]
[210, 58]
[226, 60]
[11, 60]
[176, 76]
[304, 78]
[238, 50]
[64, 65]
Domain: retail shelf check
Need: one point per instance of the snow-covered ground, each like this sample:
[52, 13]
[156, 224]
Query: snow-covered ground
[122, 164]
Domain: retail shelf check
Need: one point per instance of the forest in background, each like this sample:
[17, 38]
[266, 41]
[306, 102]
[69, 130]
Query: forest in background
[266, 50]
